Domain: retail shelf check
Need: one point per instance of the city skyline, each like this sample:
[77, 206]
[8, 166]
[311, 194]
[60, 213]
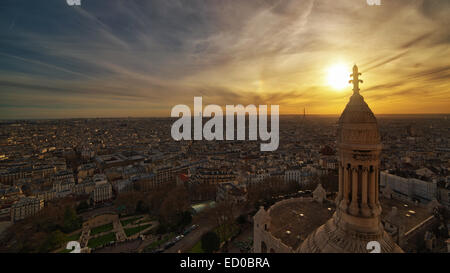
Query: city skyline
[139, 59]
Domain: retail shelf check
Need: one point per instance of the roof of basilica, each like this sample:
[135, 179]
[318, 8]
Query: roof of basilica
[407, 215]
[293, 222]
[357, 111]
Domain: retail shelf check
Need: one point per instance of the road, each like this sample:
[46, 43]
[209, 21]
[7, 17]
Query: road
[123, 247]
[188, 242]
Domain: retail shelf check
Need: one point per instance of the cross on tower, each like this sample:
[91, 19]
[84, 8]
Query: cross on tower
[355, 80]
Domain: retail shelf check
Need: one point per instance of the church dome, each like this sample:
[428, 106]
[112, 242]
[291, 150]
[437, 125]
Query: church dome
[357, 219]
[357, 124]
[357, 111]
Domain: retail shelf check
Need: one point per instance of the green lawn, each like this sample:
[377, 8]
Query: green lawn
[104, 239]
[230, 232]
[197, 248]
[130, 221]
[131, 231]
[156, 244]
[101, 229]
[151, 231]
[68, 238]
[73, 237]
[143, 221]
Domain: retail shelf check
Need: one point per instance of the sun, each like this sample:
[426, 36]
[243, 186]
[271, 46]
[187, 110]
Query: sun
[338, 76]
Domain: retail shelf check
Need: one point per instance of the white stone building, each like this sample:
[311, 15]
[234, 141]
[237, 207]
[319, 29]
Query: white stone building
[25, 207]
[102, 190]
[408, 189]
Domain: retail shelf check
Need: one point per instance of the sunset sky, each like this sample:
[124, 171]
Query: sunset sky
[119, 58]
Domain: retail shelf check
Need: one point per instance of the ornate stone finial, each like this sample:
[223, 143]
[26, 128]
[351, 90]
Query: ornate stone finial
[355, 80]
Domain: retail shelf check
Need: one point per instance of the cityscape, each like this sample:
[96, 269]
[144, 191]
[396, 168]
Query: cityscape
[360, 154]
[124, 185]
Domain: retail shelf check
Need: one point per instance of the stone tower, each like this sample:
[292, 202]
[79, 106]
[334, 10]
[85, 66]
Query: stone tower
[357, 219]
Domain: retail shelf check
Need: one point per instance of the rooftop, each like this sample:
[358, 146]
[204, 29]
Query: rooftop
[408, 215]
[294, 221]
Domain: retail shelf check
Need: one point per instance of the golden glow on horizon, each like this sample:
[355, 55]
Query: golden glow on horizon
[295, 54]
[338, 76]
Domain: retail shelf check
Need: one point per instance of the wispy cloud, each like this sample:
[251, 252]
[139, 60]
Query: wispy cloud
[142, 57]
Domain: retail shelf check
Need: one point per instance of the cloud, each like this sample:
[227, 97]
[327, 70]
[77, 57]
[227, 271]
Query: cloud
[416, 40]
[386, 61]
[146, 56]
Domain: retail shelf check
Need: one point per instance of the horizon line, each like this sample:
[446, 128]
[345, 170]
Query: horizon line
[169, 117]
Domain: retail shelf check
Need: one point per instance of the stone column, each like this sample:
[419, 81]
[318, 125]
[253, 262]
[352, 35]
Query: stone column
[372, 188]
[341, 184]
[364, 191]
[354, 204]
[377, 189]
[346, 187]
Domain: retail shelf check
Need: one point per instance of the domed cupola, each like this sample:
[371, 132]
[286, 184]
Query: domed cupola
[357, 219]
[357, 124]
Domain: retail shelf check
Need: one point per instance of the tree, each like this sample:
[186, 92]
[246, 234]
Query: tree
[161, 229]
[210, 242]
[176, 202]
[185, 219]
[83, 206]
[224, 214]
[242, 219]
[54, 240]
[71, 221]
[141, 207]
[128, 200]
[39, 233]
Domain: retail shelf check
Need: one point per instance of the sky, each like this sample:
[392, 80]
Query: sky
[125, 58]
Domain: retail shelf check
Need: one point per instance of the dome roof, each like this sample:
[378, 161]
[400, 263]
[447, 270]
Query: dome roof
[357, 111]
[331, 238]
[357, 124]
